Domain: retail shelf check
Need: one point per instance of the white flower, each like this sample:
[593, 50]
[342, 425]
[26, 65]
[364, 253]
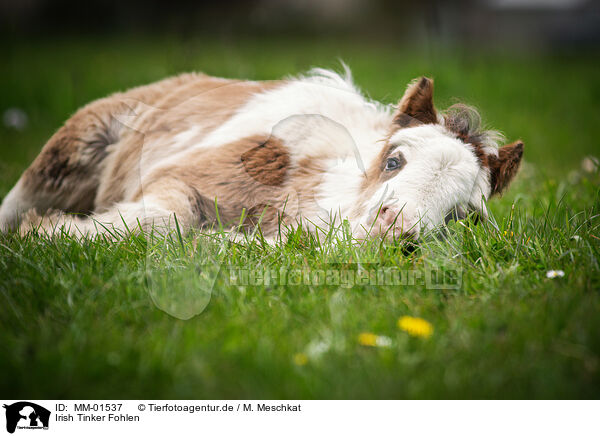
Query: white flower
[590, 164]
[15, 118]
[552, 274]
[317, 348]
[383, 341]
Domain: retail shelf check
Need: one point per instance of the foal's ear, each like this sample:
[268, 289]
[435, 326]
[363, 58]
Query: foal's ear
[504, 167]
[416, 106]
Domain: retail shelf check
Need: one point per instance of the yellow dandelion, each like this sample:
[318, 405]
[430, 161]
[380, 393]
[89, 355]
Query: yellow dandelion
[415, 326]
[300, 359]
[367, 339]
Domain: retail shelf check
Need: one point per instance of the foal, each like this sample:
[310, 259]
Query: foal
[200, 150]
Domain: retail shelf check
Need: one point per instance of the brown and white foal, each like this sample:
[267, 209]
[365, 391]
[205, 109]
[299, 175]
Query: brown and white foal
[310, 150]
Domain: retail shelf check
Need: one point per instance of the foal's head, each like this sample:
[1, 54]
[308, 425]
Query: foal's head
[433, 167]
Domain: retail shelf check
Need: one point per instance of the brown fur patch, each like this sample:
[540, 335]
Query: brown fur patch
[66, 173]
[416, 106]
[267, 163]
[504, 167]
[481, 155]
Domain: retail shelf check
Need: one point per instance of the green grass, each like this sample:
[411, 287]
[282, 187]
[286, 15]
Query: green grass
[78, 319]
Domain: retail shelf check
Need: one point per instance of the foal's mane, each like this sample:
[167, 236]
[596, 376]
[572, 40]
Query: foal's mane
[465, 122]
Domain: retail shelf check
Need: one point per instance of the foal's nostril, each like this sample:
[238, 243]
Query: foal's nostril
[384, 210]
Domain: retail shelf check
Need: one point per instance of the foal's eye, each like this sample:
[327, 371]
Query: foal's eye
[393, 163]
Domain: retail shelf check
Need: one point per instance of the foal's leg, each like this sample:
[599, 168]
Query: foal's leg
[164, 205]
